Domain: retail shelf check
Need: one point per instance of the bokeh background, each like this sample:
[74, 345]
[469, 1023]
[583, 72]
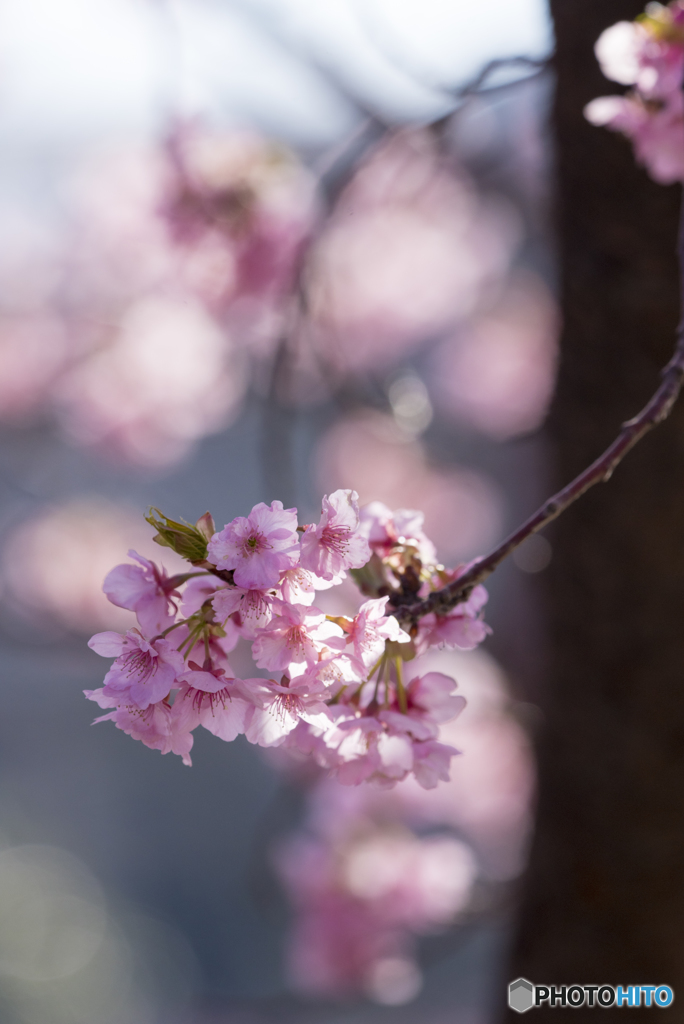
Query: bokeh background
[258, 249]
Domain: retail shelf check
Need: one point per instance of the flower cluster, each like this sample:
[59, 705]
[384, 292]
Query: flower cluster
[333, 687]
[361, 893]
[135, 324]
[647, 54]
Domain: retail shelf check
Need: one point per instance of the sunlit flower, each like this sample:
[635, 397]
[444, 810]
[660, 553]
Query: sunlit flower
[258, 547]
[144, 671]
[336, 543]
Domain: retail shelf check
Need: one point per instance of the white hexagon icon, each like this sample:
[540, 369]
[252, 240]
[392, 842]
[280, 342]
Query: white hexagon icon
[521, 995]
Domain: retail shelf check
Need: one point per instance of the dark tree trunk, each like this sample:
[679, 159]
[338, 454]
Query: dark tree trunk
[604, 897]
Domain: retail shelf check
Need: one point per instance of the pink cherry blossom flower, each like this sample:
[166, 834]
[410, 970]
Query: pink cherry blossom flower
[370, 629]
[328, 704]
[196, 592]
[299, 586]
[430, 700]
[463, 627]
[146, 590]
[433, 695]
[404, 527]
[336, 543]
[208, 677]
[416, 726]
[649, 55]
[156, 726]
[297, 634]
[258, 547]
[657, 135]
[277, 708]
[386, 747]
[332, 673]
[431, 762]
[144, 671]
[369, 751]
[643, 55]
[251, 609]
[212, 701]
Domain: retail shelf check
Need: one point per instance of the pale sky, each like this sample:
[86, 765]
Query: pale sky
[71, 69]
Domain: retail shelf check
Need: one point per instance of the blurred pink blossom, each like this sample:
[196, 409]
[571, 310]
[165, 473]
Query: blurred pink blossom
[657, 131]
[649, 55]
[498, 373]
[33, 351]
[409, 250]
[178, 259]
[362, 898]
[162, 379]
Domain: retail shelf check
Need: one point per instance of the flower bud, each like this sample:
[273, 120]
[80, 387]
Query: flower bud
[371, 579]
[185, 539]
[205, 525]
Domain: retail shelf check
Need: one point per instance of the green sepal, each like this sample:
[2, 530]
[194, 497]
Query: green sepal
[185, 539]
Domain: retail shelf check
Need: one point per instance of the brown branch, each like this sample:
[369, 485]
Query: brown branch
[657, 409]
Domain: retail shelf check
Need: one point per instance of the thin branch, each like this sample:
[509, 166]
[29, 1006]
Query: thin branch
[479, 85]
[600, 471]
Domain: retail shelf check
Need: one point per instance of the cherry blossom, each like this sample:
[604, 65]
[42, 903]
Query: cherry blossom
[144, 671]
[146, 590]
[370, 628]
[363, 884]
[297, 634]
[250, 609]
[278, 708]
[258, 547]
[369, 751]
[156, 726]
[299, 586]
[649, 55]
[217, 706]
[336, 543]
[432, 696]
[463, 627]
[196, 592]
[386, 529]
[337, 693]
[431, 763]
[387, 749]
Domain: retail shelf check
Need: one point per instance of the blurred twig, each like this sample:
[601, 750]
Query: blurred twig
[479, 83]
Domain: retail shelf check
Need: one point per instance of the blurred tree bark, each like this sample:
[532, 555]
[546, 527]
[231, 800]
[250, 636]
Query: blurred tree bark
[603, 900]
